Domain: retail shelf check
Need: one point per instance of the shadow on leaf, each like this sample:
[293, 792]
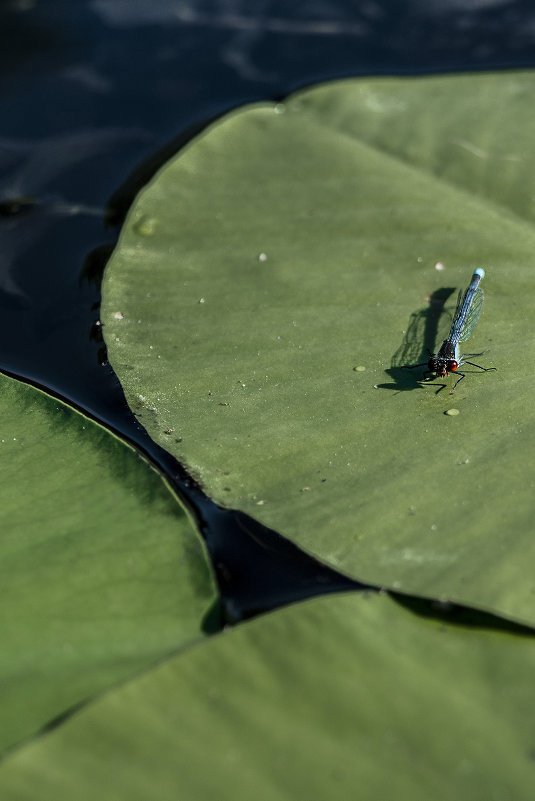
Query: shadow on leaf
[419, 342]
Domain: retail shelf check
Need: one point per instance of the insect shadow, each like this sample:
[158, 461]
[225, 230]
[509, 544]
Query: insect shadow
[419, 341]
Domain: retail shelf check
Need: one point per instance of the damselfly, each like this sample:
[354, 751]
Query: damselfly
[448, 359]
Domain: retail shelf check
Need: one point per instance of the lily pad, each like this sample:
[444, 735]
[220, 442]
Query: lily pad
[335, 697]
[473, 131]
[101, 571]
[261, 294]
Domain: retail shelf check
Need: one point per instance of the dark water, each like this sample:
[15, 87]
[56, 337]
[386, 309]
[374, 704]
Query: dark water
[95, 95]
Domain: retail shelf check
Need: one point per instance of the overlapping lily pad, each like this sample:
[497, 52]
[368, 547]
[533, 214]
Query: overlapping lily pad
[339, 697]
[262, 291]
[101, 572]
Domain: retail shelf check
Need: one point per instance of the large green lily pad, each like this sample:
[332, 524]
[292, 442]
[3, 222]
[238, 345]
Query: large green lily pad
[341, 697]
[101, 572]
[283, 249]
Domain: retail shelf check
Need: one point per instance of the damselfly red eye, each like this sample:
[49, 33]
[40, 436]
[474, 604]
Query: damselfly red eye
[452, 366]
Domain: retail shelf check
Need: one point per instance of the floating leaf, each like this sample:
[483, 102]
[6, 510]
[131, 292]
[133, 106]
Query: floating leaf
[101, 573]
[291, 256]
[339, 697]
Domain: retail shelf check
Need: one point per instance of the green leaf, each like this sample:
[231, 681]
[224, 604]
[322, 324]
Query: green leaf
[473, 131]
[258, 303]
[340, 697]
[101, 573]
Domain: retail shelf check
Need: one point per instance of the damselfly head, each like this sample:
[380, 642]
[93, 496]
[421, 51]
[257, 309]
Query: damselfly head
[437, 366]
[441, 367]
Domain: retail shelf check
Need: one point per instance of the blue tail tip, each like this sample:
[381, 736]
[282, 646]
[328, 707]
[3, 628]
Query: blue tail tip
[480, 271]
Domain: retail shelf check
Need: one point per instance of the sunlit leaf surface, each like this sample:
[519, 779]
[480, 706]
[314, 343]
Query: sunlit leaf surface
[341, 697]
[268, 284]
[101, 572]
